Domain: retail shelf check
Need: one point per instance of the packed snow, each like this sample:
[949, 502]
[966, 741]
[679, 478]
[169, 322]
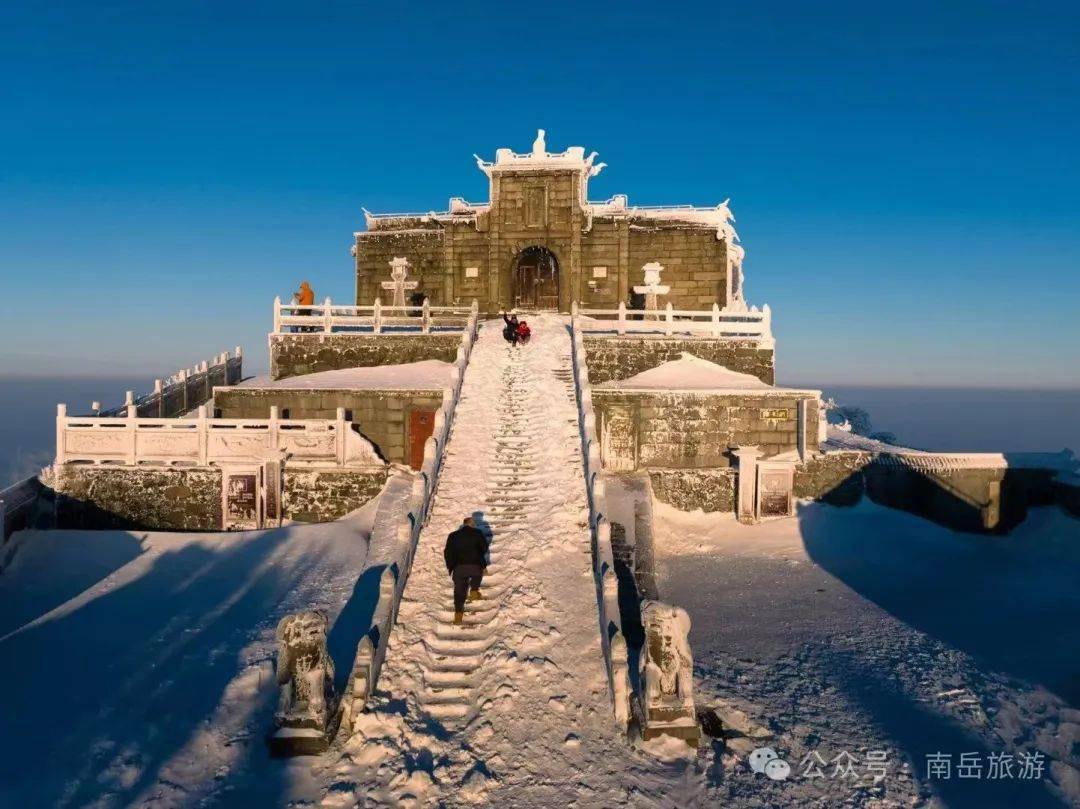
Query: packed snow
[425, 374]
[139, 667]
[867, 629]
[689, 373]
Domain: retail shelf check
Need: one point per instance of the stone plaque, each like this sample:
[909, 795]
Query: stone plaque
[776, 414]
[774, 492]
[272, 492]
[472, 272]
[599, 272]
[240, 509]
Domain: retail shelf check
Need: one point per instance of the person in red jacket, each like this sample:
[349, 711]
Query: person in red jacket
[523, 332]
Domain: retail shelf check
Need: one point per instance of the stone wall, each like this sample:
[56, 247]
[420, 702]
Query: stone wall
[542, 208]
[381, 415]
[299, 354]
[695, 262]
[189, 499]
[834, 477]
[324, 495]
[657, 429]
[139, 498]
[612, 358]
[690, 489]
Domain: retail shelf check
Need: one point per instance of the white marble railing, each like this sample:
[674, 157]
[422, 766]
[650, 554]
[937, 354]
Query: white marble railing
[736, 324]
[612, 638]
[329, 317]
[202, 441]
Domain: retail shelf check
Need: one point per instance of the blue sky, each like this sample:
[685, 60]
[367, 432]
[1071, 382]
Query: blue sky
[905, 178]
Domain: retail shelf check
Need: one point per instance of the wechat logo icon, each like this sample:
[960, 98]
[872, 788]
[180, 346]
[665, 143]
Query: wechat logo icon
[765, 761]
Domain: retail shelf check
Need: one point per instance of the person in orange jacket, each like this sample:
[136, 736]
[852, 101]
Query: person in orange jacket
[305, 296]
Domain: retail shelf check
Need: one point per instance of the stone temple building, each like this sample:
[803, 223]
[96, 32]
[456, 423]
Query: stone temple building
[538, 242]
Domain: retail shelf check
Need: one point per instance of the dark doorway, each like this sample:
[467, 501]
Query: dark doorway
[536, 279]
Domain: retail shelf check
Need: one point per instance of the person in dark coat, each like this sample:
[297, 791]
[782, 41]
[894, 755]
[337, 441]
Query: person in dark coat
[510, 331]
[466, 559]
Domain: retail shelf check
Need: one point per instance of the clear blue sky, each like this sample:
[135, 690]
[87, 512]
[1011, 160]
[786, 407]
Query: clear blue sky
[905, 177]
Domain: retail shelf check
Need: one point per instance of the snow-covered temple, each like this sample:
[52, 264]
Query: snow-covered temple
[539, 242]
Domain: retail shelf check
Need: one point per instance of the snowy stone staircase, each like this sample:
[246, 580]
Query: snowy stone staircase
[453, 669]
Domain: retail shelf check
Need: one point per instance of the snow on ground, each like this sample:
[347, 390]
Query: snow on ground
[689, 373]
[537, 729]
[433, 374]
[865, 628]
[138, 667]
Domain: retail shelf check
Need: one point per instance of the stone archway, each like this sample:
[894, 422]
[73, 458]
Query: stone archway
[535, 279]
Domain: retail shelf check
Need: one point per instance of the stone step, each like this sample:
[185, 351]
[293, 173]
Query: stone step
[475, 617]
[435, 696]
[460, 664]
[452, 632]
[450, 679]
[458, 647]
[447, 711]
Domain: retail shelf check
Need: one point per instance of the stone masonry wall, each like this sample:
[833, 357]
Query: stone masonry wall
[542, 208]
[834, 477]
[694, 260]
[139, 498]
[690, 489]
[324, 495]
[650, 430]
[381, 415]
[299, 354]
[189, 499]
[612, 358]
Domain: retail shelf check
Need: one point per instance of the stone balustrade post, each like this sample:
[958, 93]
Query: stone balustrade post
[377, 319]
[204, 436]
[274, 429]
[669, 318]
[61, 425]
[277, 315]
[341, 435]
[132, 431]
[621, 328]
[328, 317]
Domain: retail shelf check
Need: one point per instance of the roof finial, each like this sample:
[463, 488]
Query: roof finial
[539, 146]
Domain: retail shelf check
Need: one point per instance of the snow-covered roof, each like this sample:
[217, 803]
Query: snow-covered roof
[423, 375]
[540, 159]
[718, 216]
[691, 373]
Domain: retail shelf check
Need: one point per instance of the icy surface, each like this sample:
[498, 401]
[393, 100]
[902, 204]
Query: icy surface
[411, 375]
[689, 373]
[139, 666]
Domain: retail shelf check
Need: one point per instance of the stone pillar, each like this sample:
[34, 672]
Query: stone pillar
[746, 502]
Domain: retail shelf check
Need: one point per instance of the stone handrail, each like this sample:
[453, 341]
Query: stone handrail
[329, 317]
[405, 534]
[185, 390]
[744, 324]
[612, 638]
[203, 441]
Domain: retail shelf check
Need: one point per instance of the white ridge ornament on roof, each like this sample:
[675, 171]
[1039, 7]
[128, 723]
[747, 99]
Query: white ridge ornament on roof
[541, 159]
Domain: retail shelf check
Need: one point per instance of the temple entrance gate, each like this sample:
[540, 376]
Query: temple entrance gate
[536, 279]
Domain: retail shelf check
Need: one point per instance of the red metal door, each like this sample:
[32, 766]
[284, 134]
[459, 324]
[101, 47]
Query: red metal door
[421, 426]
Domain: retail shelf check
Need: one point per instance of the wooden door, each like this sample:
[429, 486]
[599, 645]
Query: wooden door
[421, 426]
